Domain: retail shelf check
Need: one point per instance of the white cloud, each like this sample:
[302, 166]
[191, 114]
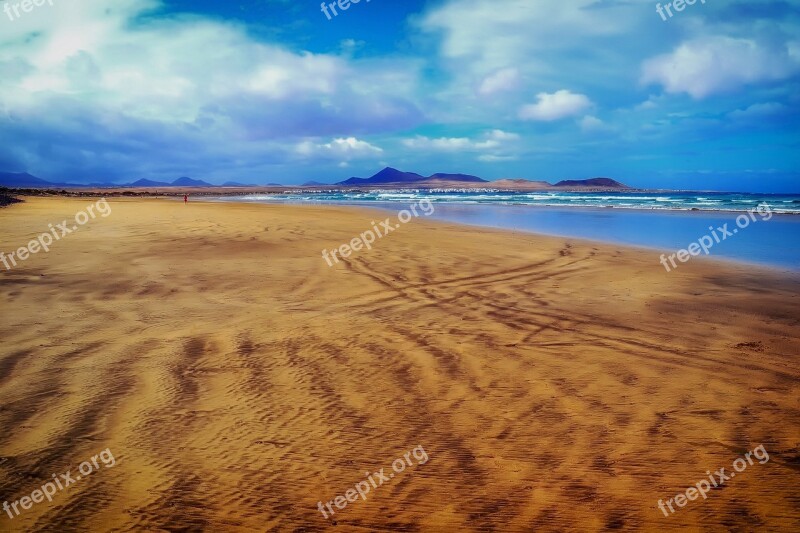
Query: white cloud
[558, 43]
[501, 135]
[495, 35]
[757, 111]
[647, 104]
[491, 158]
[492, 146]
[555, 106]
[98, 88]
[341, 148]
[500, 81]
[591, 123]
[490, 140]
[709, 65]
[445, 144]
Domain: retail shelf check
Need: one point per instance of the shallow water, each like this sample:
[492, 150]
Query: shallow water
[769, 240]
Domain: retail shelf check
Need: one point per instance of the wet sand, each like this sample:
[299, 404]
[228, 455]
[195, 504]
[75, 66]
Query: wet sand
[554, 384]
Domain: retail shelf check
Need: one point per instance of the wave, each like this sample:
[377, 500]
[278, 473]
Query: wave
[723, 202]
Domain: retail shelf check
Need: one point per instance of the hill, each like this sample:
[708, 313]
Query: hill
[24, 180]
[593, 182]
[149, 183]
[392, 176]
[189, 182]
[388, 177]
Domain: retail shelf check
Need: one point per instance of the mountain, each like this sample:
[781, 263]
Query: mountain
[521, 185]
[189, 182]
[397, 178]
[24, 180]
[148, 183]
[593, 182]
[393, 176]
[457, 177]
[386, 177]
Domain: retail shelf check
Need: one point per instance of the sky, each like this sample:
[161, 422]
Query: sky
[262, 91]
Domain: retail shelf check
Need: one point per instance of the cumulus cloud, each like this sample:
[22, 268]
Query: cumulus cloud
[500, 81]
[492, 36]
[489, 141]
[342, 148]
[492, 146]
[757, 111]
[710, 65]
[591, 123]
[555, 106]
[492, 158]
[204, 87]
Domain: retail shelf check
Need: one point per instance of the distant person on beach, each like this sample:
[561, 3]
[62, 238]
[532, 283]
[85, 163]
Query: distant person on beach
[185, 198]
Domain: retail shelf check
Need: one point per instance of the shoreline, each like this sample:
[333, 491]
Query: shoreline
[400, 205]
[233, 193]
[724, 260]
[365, 203]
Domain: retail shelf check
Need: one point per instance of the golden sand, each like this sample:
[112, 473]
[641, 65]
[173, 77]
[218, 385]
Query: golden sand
[238, 380]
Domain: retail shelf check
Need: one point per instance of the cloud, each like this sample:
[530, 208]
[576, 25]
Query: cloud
[500, 135]
[443, 143]
[500, 81]
[710, 65]
[491, 158]
[555, 106]
[590, 124]
[757, 111]
[492, 146]
[646, 105]
[493, 37]
[488, 48]
[131, 92]
[491, 140]
[342, 148]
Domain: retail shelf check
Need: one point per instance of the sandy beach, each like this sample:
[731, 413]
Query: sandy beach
[238, 380]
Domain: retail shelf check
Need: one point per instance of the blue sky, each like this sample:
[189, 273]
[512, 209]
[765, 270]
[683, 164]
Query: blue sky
[272, 91]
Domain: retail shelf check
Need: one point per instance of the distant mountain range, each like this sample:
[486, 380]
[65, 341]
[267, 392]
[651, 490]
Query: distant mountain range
[397, 178]
[27, 181]
[593, 182]
[180, 182]
[388, 177]
[393, 176]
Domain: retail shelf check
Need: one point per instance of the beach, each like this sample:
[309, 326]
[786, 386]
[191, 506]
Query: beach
[239, 380]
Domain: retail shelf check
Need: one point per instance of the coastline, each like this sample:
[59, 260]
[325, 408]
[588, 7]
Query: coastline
[276, 192]
[790, 263]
